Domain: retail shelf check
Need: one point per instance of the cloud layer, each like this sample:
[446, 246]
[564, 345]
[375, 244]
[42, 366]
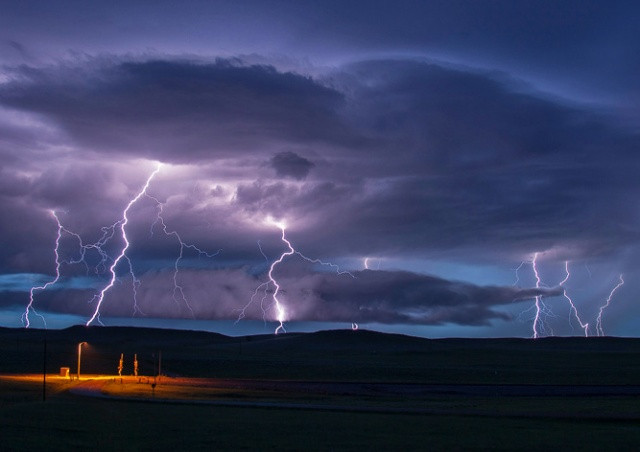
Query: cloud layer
[395, 143]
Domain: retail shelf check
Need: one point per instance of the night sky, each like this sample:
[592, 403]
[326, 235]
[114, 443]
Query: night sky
[428, 149]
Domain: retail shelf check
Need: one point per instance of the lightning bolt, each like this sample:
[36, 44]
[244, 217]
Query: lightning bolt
[178, 290]
[264, 285]
[542, 310]
[366, 260]
[121, 225]
[517, 269]
[107, 234]
[262, 251]
[573, 309]
[599, 329]
[25, 315]
[281, 314]
[538, 305]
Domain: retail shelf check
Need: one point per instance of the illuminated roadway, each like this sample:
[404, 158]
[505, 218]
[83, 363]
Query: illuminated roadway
[340, 396]
[344, 396]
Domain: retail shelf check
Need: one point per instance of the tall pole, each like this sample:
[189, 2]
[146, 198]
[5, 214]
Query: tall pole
[44, 368]
[79, 355]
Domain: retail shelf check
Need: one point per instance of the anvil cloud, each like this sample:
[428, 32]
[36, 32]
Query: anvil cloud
[446, 153]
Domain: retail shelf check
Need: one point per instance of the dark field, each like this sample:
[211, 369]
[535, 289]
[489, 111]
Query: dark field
[338, 390]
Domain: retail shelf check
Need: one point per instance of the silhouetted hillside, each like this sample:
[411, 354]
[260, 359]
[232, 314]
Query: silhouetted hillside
[333, 355]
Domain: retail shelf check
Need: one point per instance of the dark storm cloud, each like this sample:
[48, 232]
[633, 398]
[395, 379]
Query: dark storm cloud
[399, 158]
[455, 131]
[369, 296]
[178, 111]
[586, 44]
[588, 48]
[27, 235]
[473, 158]
[281, 200]
[12, 184]
[415, 156]
[20, 49]
[290, 164]
[400, 297]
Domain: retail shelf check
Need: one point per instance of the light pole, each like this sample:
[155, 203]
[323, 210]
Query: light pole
[44, 368]
[79, 356]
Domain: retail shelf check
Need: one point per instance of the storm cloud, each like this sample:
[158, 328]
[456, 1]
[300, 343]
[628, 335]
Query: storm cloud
[449, 154]
[290, 164]
[387, 297]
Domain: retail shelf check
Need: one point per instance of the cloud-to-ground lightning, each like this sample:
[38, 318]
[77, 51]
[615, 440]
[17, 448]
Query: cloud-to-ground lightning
[281, 314]
[255, 294]
[120, 224]
[573, 309]
[177, 288]
[542, 311]
[25, 315]
[102, 265]
[537, 320]
[272, 289]
[366, 261]
[599, 329]
[83, 249]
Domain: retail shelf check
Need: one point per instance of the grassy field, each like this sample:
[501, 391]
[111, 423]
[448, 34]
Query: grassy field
[67, 422]
[452, 422]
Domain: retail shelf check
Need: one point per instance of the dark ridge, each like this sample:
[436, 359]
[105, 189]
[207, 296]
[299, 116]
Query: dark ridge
[341, 338]
[338, 355]
[124, 333]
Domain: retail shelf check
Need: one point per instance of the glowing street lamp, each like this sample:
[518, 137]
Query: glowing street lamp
[79, 356]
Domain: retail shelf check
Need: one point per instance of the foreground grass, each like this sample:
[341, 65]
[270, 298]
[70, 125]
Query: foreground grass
[67, 422]
[457, 422]
[576, 406]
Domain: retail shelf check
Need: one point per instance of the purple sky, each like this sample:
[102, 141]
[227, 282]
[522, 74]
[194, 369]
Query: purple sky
[428, 148]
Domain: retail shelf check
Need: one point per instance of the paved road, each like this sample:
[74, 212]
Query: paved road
[368, 389]
[416, 389]
[291, 388]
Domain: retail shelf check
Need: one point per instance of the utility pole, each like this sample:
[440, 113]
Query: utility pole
[44, 368]
[79, 356]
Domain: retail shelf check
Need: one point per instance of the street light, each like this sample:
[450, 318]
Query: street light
[79, 355]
